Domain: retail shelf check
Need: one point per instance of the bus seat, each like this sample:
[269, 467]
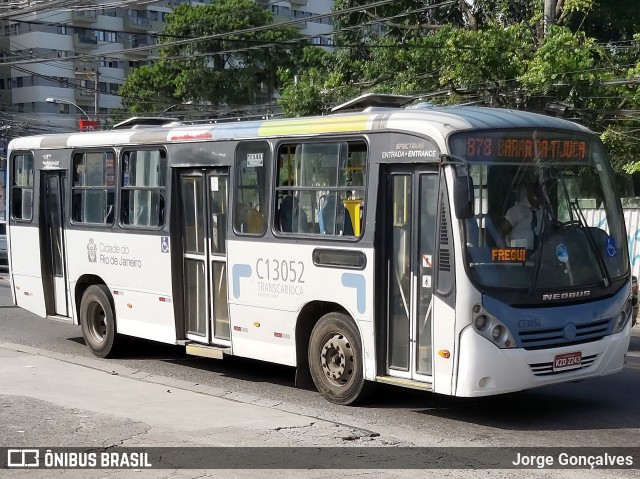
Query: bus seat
[334, 219]
[484, 235]
[292, 218]
[494, 234]
[249, 220]
[255, 221]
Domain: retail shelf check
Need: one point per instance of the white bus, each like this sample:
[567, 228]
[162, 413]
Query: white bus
[359, 247]
[4, 256]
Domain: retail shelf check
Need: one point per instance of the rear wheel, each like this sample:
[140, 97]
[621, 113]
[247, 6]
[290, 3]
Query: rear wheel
[98, 321]
[335, 359]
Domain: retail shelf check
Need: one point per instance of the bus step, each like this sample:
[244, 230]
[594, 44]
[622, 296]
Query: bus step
[214, 352]
[63, 319]
[407, 383]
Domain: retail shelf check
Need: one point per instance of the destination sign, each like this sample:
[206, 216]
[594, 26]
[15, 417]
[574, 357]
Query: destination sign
[526, 149]
[508, 254]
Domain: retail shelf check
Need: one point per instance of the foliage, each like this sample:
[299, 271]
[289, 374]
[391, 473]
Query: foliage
[585, 67]
[490, 52]
[235, 64]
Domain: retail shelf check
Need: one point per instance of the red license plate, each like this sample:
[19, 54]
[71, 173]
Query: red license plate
[567, 361]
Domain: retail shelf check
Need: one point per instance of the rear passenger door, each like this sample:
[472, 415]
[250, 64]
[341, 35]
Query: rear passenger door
[203, 220]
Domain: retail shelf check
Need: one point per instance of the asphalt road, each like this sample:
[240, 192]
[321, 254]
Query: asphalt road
[598, 412]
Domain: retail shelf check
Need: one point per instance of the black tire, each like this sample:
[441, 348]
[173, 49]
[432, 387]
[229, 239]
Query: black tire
[335, 359]
[98, 321]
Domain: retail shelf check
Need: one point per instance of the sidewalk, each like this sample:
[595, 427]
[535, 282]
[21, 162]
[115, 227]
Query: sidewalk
[126, 394]
[48, 401]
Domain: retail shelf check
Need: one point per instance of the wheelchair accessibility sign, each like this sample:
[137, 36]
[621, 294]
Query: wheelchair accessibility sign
[164, 244]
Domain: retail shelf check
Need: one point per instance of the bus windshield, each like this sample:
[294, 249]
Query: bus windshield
[545, 212]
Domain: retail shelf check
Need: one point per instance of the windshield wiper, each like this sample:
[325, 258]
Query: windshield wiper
[592, 242]
[538, 265]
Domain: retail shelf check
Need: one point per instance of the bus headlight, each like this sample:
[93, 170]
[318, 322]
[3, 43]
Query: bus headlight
[480, 321]
[624, 317]
[492, 329]
[496, 332]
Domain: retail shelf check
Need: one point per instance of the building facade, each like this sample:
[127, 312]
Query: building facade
[44, 88]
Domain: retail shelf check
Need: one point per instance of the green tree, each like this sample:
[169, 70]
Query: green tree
[231, 60]
[572, 57]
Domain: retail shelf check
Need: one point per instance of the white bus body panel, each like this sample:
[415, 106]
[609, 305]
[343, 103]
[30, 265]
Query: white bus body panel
[485, 369]
[268, 287]
[26, 269]
[138, 269]
[444, 337]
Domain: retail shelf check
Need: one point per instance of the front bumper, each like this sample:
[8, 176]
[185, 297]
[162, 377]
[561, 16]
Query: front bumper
[484, 369]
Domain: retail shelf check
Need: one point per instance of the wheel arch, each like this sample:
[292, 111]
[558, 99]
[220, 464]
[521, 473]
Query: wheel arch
[309, 315]
[82, 285]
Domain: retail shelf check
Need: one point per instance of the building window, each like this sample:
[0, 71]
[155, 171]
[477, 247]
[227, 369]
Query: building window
[61, 30]
[320, 188]
[22, 205]
[109, 12]
[144, 176]
[109, 63]
[93, 189]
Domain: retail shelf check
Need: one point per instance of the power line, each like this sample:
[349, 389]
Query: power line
[219, 36]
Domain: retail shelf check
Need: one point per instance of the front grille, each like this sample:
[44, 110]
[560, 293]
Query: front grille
[564, 336]
[546, 369]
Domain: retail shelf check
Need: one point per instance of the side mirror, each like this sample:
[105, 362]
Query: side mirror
[463, 197]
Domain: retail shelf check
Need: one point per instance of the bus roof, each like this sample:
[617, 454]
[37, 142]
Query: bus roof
[436, 122]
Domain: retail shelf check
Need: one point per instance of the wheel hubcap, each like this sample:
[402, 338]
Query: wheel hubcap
[97, 323]
[337, 359]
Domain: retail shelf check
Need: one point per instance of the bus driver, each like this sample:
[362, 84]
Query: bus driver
[522, 222]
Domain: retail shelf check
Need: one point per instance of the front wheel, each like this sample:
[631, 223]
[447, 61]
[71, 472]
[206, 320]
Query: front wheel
[98, 321]
[335, 359]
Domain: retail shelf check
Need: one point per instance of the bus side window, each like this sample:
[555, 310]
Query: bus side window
[23, 173]
[251, 180]
[93, 189]
[320, 188]
[143, 179]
